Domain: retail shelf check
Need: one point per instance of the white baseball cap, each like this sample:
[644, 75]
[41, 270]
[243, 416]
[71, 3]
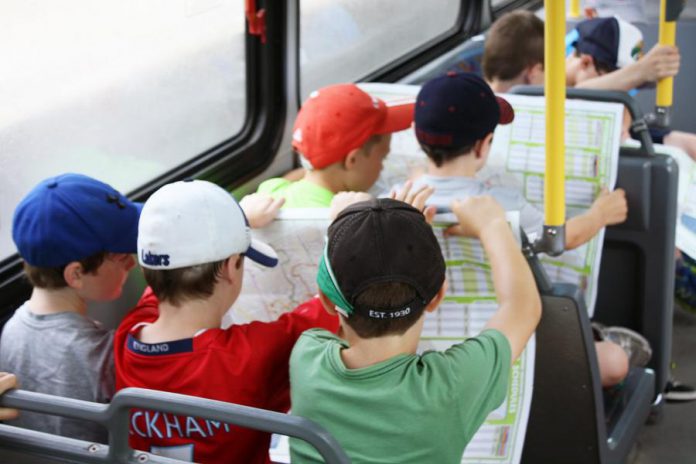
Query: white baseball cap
[195, 222]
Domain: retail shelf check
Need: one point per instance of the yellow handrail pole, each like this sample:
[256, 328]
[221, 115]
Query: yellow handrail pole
[574, 8]
[667, 36]
[555, 86]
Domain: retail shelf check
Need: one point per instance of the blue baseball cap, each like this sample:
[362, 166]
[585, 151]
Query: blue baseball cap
[71, 217]
[611, 41]
[457, 109]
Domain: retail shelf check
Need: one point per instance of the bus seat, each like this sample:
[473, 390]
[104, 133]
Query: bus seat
[636, 280]
[567, 420]
[116, 417]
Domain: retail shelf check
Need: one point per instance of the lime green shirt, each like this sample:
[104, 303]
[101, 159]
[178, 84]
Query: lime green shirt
[298, 194]
[407, 409]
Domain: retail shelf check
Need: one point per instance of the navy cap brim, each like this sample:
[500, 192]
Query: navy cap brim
[262, 253]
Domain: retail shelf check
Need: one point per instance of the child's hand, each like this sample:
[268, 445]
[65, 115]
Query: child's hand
[611, 207]
[416, 198]
[475, 214]
[7, 381]
[342, 200]
[660, 62]
[260, 209]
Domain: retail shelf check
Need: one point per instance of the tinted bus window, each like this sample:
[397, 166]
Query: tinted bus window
[343, 40]
[120, 90]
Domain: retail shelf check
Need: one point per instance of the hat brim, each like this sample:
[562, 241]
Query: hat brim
[507, 114]
[262, 253]
[398, 117]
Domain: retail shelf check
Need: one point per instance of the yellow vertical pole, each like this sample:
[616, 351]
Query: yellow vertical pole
[667, 36]
[555, 86]
[574, 8]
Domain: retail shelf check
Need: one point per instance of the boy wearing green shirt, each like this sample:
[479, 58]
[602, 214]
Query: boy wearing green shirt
[344, 134]
[381, 271]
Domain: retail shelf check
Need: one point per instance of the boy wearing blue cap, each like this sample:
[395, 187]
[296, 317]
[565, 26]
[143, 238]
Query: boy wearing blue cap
[76, 236]
[514, 54]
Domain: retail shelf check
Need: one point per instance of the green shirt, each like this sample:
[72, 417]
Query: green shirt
[298, 194]
[407, 409]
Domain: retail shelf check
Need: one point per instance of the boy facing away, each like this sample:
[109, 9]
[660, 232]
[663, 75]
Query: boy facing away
[192, 243]
[381, 271]
[607, 54]
[344, 134]
[76, 236]
[514, 54]
[455, 116]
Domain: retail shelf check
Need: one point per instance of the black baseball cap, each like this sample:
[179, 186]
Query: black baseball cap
[458, 109]
[380, 241]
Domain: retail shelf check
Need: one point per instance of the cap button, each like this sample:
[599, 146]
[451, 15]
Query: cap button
[52, 185]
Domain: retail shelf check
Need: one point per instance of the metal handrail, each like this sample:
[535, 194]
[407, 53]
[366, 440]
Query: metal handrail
[115, 417]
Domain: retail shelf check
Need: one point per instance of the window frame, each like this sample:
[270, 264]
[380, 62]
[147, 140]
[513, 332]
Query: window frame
[516, 5]
[228, 164]
[473, 16]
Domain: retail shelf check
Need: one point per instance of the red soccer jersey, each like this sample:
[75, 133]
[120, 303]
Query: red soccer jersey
[245, 364]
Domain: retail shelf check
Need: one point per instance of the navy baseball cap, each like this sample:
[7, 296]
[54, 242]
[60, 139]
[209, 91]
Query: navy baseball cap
[71, 217]
[611, 41]
[458, 109]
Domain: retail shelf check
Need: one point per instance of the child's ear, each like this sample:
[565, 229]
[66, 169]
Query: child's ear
[534, 74]
[437, 299]
[483, 146]
[231, 267]
[72, 274]
[328, 304]
[586, 61]
[351, 159]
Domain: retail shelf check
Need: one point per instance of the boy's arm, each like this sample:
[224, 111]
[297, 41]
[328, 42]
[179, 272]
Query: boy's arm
[660, 62]
[519, 307]
[607, 209]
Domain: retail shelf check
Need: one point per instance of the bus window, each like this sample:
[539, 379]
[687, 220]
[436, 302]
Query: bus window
[344, 40]
[124, 91]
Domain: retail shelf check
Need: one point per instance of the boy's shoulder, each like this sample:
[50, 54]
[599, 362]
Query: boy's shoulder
[25, 320]
[274, 335]
[274, 185]
[297, 194]
[320, 336]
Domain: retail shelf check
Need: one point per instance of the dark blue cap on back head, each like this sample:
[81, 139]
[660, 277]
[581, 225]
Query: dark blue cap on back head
[71, 217]
[457, 109]
[599, 38]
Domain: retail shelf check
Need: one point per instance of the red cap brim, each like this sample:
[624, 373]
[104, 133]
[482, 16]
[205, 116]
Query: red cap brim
[399, 117]
[507, 114]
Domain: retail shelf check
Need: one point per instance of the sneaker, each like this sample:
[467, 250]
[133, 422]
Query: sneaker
[676, 392]
[634, 344]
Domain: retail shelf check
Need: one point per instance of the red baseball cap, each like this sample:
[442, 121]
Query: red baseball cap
[340, 118]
